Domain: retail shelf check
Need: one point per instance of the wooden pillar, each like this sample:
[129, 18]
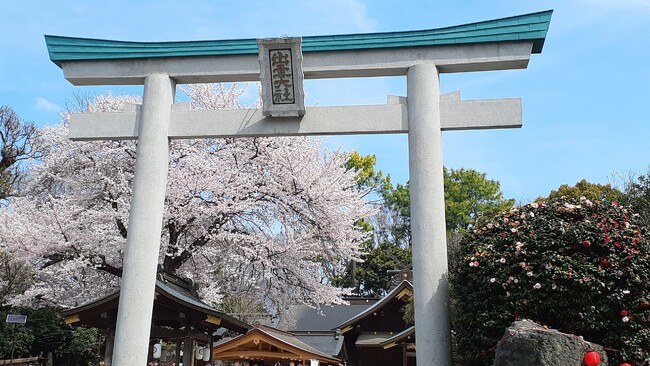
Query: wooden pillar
[177, 356]
[188, 351]
[108, 352]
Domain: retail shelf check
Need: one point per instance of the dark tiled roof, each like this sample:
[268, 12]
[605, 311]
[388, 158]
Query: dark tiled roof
[373, 339]
[281, 339]
[370, 309]
[185, 297]
[175, 290]
[327, 342]
[291, 339]
[303, 318]
[408, 332]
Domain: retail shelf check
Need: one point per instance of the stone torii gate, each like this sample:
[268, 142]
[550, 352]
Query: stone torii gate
[420, 55]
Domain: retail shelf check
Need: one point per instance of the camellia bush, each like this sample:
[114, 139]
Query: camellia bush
[579, 266]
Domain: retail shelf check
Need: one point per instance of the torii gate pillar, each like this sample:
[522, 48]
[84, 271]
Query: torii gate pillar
[428, 229]
[420, 55]
[145, 223]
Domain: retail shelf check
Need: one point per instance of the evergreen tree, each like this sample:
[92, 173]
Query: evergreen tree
[469, 196]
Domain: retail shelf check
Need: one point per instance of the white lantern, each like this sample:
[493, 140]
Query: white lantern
[157, 350]
[206, 353]
[198, 353]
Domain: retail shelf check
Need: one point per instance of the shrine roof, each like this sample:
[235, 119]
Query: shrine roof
[286, 343]
[407, 334]
[403, 290]
[528, 27]
[171, 291]
[327, 342]
[305, 318]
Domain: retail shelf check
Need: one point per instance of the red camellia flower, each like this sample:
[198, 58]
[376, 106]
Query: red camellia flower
[591, 359]
[645, 304]
[607, 239]
[624, 312]
[586, 243]
[503, 235]
[605, 262]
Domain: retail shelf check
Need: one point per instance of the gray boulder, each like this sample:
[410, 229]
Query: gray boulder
[526, 343]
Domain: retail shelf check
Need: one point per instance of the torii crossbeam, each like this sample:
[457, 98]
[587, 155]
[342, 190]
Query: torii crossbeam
[420, 55]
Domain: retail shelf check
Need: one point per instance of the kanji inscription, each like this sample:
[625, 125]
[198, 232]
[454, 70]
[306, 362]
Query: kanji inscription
[281, 77]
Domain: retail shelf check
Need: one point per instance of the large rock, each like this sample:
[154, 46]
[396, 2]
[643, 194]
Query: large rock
[526, 343]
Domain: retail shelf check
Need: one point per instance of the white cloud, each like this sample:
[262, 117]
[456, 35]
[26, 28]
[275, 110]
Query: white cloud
[334, 17]
[627, 5]
[46, 105]
[359, 14]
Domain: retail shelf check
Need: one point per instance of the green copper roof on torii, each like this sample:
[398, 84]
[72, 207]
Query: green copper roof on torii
[529, 27]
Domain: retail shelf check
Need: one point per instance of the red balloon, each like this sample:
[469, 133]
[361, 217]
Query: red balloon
[591, 358]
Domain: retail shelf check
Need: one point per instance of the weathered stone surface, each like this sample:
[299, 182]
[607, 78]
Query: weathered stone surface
[281, 77]
[526, 343]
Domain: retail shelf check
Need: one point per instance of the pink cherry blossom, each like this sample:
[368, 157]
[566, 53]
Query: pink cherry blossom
[265, 219]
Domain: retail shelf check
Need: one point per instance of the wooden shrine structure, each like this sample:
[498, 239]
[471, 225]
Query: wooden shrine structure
[265, 346]
[365, 332]
[179, 317]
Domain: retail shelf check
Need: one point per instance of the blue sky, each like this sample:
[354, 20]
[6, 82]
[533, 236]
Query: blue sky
[585, 98]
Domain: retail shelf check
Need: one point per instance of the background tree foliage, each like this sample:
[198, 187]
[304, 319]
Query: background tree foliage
[16, 148]
[15, 276]
[16, 139]
[45, 333]
[592, 191]
[632, 191]
[637, 195]
[368, 179]
[469, 196]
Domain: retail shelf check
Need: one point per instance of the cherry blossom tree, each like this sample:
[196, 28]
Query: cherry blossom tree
[269, 219]
[16, 137]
